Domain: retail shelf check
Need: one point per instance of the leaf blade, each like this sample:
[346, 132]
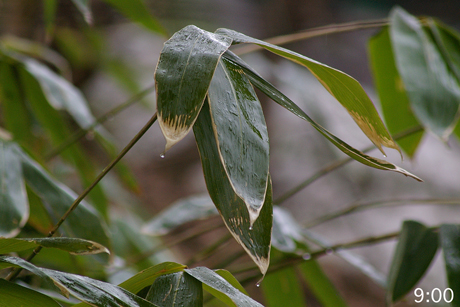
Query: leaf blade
[13, 295]
[450, 244]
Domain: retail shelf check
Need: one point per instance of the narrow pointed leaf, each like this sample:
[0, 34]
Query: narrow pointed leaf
[231, 280]
[285, 102]
[450, 242]
[255, 241]
[72, 245]
[184, 71]
[83, 7]
[13, 295]
[239, 125]
[283, 286]
[432, 89]
[415, 251]
[343, 87]
[91, 291]
[176, 290]
[221, 289]
[393, 97]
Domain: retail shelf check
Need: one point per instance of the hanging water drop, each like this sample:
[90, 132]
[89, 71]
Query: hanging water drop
[258, 284]
[329, 251]
[250, 227]
[306, 256]
[162, 156]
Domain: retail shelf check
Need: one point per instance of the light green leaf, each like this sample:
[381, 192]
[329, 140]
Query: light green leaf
[184, 71]
[284, 101]
[393, 97]
[74, 246]
[255, 241]
[450, 242]
[83, 7]
[343, 87]
[241, 133]
[432, 89]
[13, 295]
[221, 289]
[415, 251]
[14, 207]
[180, 212]
[91, 291]
[176, 290]
[281, 287]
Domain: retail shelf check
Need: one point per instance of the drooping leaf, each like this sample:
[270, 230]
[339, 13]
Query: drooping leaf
[176, 290]
[221, 289]
[184, 71]
[182, 211]
[14, 207]
[393, 97]
[91, 291]
[13, 295]
[74, 246]
[450, 242]
[433, 92]
[414, 253]
[281, 287]
[343, 87]
[284, 101]
[255, 240]
[241, 134]
[83, 7]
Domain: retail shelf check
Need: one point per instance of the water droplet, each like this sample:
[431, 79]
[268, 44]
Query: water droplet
[329, 251]
[162, 156]
[250, 227]
[306, 256]
[258, 284]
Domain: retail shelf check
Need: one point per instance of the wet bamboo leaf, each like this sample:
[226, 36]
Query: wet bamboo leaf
[415, 251]
[14, 207]
[284, 101]
[450, 242]
[231, 280]
[281, 287]
[343, 87]
[176, 289]
[432, 89]
[220, 288]
[393, 97]
[91, 291]
[180, 212]
[255, 240]
[239, 125]
[13, 295]
[184, 71]
[72, 245]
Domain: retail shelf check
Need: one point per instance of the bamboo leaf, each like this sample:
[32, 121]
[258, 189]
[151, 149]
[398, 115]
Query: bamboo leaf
[284, 101]
[393, 97]
[416, 249]
[231, 280]
[343, 87]
[83, 7]
[283, 286]
[432, 89]
[255, 240]
[220, 288]
[176, 289]
[74, 246]
[241, 134]
[14, 207]
[184, 71]
[13, 295]
[450, 242]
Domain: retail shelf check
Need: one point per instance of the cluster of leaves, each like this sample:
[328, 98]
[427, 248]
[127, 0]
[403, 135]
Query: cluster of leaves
[202, 85]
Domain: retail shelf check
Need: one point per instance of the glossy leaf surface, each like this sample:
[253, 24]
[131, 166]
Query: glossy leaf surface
[343, 87]
[450, 242]
[255, 241]
[241, 132]
[393, 97]
[184, 71]
[176, 290]
[415, 250]
[13, 295]
[285, 102]
[221, 289]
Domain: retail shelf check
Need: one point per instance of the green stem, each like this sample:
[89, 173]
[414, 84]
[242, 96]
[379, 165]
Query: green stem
[77, 201]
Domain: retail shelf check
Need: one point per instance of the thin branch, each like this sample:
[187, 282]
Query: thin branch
[77, 201]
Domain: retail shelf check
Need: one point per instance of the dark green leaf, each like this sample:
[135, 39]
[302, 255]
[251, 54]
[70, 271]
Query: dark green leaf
[433, 92]
[450, 242]
[284, 101]
[281, 287]
[416, 249]
[241, 132]
[13, 295]
[344, 88]
[180, 212]
[393, 98]
[255, 241]
[14, 207]
[176, 290]
[184, 71]
[221, 289]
